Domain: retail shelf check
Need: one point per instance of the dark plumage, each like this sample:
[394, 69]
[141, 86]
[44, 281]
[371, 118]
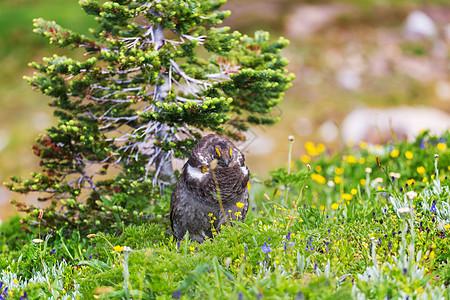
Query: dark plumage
[194, 201]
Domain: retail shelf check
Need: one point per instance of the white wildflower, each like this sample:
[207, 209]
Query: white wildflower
[411, 195]
[404, 210]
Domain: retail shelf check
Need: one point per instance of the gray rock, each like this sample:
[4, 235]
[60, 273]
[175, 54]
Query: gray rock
[376, 125]
[419, 25]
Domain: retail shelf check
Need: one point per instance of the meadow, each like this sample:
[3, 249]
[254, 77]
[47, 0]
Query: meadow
[364, 221]
[369, 222]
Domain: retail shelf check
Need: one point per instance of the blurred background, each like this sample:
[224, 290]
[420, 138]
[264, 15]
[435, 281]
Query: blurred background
[364, 68]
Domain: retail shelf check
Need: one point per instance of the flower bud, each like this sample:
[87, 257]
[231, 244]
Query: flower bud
[213, 164]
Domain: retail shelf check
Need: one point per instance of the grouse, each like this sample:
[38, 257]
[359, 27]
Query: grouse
[195, 206]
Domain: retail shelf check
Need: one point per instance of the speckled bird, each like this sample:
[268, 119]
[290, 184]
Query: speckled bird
[195, 203]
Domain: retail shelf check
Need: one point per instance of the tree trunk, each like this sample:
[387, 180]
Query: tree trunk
[163, 160]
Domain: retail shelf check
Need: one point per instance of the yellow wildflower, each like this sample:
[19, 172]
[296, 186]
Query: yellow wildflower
[363, 145]
[409, 155]
[394, 153]
[335, 206]
[339, 171]
[447, 227]
[441, 146]
[305, 159]
[420, 170]
[346, 196]
[354, 191]
[337, 179]
[362, 160]
[249, 186]
[320, 148]
[240, 204]
[309, 145]
[311, 149]
[322, 207]
[318, 178]
[362, 182]
[432, 254]
[351, 159]
[15, 281]
[410, 181]
[318, 169]
[118, 248]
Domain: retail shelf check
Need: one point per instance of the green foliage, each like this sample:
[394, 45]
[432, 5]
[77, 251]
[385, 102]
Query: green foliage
[155, 74]
[14, 234]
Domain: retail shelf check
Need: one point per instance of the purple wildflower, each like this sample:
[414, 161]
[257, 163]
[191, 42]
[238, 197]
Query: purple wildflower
[433, 208]
[24, 297]
[266, 248]
[176, 294]
[422, 144]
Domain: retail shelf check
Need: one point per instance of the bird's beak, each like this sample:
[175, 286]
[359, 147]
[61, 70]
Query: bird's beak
[227, 162]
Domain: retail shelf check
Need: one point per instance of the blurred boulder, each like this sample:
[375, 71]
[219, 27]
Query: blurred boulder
[422, 69]
[348, 79]
[442, 90]
[419, 25]
[305, 20]
[261, 145]
[375, 126]
[328, 131]
[303, 126]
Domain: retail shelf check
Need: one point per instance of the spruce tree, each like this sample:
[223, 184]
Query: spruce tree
[156, 74]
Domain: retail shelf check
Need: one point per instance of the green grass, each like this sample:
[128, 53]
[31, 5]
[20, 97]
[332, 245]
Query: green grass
[16, 22]
[341, 234]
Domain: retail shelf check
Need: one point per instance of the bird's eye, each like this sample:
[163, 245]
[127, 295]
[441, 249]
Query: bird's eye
[231, 150]
[204, 169]
[218, 152]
